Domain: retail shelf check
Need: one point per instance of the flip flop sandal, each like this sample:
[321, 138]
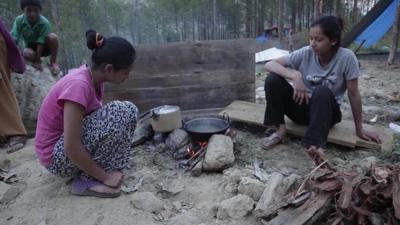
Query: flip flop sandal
[269, 131]
[81, 187]
[269, 142]
[15, 143]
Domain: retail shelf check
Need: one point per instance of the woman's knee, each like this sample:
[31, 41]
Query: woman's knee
[127, 110]
[274, 80]
[322, 92]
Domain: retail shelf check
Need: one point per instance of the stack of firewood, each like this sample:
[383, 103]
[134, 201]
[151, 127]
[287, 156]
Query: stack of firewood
[362, 197]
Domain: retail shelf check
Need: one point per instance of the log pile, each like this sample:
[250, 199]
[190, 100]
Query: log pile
[362, 197]
[369, 197]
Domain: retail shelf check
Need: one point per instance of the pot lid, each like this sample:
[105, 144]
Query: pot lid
[165, 109]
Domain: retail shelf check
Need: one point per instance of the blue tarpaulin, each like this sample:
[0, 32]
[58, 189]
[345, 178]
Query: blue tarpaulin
[375, 31]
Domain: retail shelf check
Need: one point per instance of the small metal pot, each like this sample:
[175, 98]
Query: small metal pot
[164, 118]
[202, 128]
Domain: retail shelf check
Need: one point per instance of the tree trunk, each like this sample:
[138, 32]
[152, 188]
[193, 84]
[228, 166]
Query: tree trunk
[261, 20]
[280, 28]
[214, 31]
[58, 28]
[248, 19]
[355, 10]
[293, 17]
[317, 9]
[137, 23]
[104, 11]
[334, 7]
[300, 8]
[395, 38]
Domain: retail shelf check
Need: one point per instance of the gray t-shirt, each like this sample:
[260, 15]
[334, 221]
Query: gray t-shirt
[343, 67]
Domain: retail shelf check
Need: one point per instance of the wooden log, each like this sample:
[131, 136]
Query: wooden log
[273, 196]
[304, 213]
[198, 169]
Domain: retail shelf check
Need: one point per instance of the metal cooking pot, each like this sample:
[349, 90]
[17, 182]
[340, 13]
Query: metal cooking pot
[164, 118]
[202, 128]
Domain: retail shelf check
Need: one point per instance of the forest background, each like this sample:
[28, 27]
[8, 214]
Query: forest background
[161, 21]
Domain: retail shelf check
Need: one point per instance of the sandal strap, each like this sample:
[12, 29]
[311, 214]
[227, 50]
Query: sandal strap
[275, 135]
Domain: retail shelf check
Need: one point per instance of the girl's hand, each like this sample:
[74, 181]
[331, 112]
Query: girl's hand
[38, 66]
[114, 179]
[369, 136]
[300, 94]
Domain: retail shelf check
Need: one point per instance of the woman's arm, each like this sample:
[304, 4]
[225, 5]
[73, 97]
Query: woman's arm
[75, 151]
[277, 66]
[356, 108]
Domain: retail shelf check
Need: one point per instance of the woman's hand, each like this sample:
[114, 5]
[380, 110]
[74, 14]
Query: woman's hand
[300, 94]
[113, 179]
[369, 136]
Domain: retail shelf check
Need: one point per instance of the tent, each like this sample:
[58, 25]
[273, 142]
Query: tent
[269, 54]
[373, 25]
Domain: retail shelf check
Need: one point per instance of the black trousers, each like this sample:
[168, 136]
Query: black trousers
[320, 114]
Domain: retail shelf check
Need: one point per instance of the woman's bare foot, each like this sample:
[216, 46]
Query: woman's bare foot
[275, 138]
[101, 188]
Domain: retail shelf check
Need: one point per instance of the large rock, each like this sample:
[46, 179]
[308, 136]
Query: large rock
[236, 207]
[30, 88]
[219, 155]
[177, 139]
[146, 201]
[251, 187]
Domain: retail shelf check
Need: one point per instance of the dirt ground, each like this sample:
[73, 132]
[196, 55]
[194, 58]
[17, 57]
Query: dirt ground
[39, 198]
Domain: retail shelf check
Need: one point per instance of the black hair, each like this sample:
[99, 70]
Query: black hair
[332, 27]
[113, 50]
[25, 3]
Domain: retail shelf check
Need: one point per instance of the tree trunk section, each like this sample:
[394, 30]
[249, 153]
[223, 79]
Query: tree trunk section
[395, 38]
[58, 28]
[317, 9]
[280, 28]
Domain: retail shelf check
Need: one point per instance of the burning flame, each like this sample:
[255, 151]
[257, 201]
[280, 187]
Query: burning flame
[203, 144]
[190, 152]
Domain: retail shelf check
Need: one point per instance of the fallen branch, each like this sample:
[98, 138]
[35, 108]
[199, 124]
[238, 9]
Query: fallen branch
[303, 184]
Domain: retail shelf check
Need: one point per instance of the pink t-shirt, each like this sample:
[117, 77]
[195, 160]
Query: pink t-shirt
[77, 86]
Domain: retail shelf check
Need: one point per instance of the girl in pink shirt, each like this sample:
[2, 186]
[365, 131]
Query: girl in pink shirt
[76, 135]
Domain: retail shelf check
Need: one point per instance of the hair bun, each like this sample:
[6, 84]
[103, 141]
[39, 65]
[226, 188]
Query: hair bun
[91, 39]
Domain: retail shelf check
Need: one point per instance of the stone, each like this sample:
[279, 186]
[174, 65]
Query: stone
[219, 155]
[8, 193]
[172, 187]
[146, 201]
[197, 169]
[251, 187]
[4, 162]
[177, 139]
[236, 207]
[148, 181]
[143, 132]
[30, 89]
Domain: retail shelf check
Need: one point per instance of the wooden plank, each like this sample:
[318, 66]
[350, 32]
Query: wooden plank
[302, 214]
[196, 97]
[193, 75]
[341, 134]
[218, 77]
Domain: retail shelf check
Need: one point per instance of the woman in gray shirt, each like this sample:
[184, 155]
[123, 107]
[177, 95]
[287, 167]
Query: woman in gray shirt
[320, 74]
